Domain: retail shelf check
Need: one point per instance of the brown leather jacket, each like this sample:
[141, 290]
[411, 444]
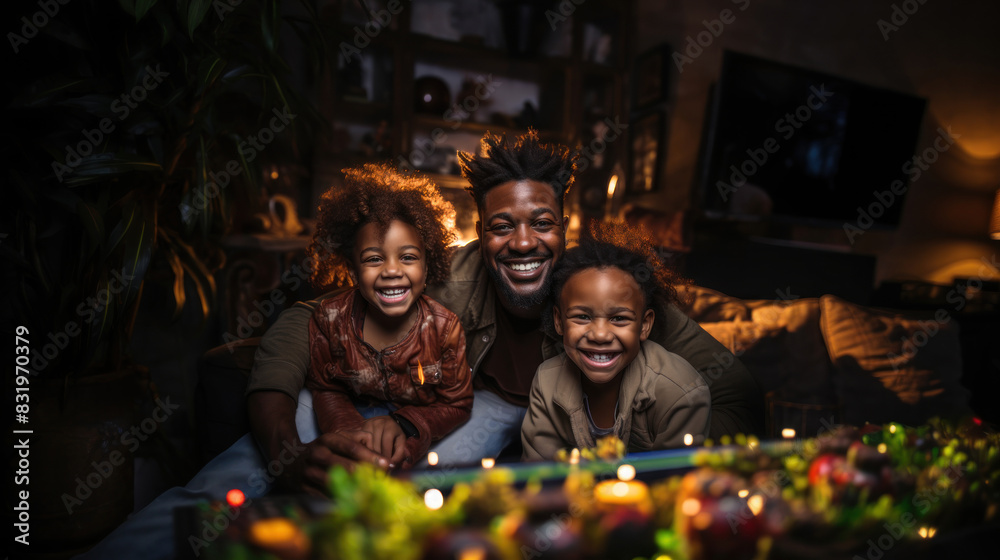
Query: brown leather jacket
[345, 370]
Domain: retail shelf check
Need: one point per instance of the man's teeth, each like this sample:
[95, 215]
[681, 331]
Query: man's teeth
[525, 267]
[394, 292]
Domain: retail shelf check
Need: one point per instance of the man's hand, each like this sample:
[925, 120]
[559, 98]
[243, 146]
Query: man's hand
[272, 421]
[387, 438]
[310, 470]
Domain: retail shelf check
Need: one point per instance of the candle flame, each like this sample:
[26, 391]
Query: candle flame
[488, 462]
[755, 503]
[626, 472]
[892, 428]
[420, 373]
[433, 499]
[688, 439]
[574, 456]
[788, 433]
[612, 184]
[743, 493]
[691, 507]
[475, 553]
[432, 458]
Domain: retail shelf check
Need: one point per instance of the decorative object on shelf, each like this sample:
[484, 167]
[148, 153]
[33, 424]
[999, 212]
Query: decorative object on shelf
[647, 152]
[430, 95]
[649, 78]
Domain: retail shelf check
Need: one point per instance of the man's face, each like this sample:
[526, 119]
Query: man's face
[522, 235]
[602, 317]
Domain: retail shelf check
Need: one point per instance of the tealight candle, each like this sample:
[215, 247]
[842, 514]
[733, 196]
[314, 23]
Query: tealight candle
[280, 536]
[619, 493]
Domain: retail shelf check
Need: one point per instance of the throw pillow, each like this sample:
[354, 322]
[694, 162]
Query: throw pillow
[892, 368]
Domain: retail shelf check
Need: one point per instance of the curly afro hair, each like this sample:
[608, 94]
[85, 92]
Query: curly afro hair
[526, 159]
[631, 250]
[378, 193]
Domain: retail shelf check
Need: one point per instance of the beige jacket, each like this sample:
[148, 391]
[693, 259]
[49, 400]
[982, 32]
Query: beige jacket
[661, 398]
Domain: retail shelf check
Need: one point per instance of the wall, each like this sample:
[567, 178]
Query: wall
[947, 52]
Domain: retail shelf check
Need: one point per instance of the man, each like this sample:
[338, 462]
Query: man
[498, 287]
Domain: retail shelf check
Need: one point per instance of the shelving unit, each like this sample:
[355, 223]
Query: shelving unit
[369, 96]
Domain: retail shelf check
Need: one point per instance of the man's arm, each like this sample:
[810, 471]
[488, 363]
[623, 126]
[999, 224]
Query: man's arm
[737, 403]
[304, 466]
[277, 376]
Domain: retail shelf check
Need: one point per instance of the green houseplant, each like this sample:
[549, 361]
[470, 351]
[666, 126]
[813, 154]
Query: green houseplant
[134, 128]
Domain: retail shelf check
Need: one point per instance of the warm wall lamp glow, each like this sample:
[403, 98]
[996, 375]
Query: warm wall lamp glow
[995, 220]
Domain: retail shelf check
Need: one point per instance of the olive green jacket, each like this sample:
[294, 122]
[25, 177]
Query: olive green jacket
[282, 358]
[660, 400]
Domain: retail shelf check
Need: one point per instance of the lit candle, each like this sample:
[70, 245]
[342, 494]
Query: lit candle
[688, 439]
[788, 433]
[619, 493]
[280, 536]
[432, 458]
[433, 499]
[574, 456]
[488, 462]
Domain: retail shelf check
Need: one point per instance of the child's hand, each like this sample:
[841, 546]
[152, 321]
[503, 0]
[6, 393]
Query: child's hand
[387, 438]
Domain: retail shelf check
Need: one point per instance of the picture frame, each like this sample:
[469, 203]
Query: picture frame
[646, 148]
[649, 77]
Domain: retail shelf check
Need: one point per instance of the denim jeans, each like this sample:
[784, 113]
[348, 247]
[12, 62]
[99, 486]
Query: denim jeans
[149, 533]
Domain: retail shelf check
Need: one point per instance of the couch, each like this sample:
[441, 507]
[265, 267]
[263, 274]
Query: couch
[827, 360]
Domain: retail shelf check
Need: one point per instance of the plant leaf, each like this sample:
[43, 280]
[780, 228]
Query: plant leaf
[141, 7]
[197, 10]
[180, 297]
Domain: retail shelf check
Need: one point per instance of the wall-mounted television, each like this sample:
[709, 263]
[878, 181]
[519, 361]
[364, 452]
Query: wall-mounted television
[790, 144]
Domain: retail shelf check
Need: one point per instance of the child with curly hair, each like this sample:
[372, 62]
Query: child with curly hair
[387, 362]
[611, 380]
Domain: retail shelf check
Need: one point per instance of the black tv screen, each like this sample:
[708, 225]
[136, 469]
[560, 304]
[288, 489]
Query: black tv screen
[792, 144]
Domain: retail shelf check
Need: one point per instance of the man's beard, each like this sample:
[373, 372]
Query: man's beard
[514, 298]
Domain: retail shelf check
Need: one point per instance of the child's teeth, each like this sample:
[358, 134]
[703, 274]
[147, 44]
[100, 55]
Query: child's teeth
[601, 357]
[393, 292]
[525, 267]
